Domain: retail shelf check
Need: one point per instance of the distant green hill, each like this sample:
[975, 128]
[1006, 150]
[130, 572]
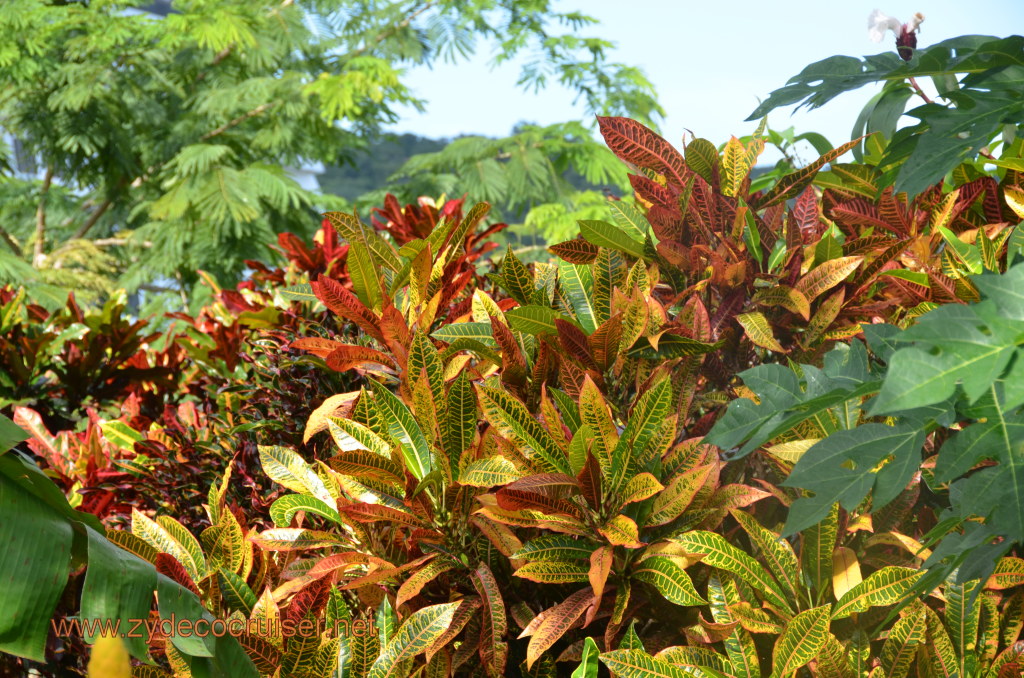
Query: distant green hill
[372, 167]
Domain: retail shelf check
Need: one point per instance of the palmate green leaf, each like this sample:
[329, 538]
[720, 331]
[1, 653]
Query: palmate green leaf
[603, 234]
[824, 469]
[887, 586]
[669, 579]
[955, 344]
[283, 510]
[578, 285]
[511, 418]
[723, 555]
[403, 428]
[802, 638]
[416, 634]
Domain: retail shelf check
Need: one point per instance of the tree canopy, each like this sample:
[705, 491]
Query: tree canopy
[162, 142]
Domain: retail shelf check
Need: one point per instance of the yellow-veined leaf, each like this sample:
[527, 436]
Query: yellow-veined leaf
[489, 472]
[621, 530]
[638, 664]
[416, 634]
[295, 539]
[775, 552]
[788, 298]
[759, 330]
[882, 587]
[1009, 572]
[754, 619]
[723, 555]
[669, 579]
[553, 572]
[802, 638]
[641, 486]
[287, 468]
[826, 275]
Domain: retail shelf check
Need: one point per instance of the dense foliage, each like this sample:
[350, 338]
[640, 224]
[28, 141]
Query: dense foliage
[737, 426]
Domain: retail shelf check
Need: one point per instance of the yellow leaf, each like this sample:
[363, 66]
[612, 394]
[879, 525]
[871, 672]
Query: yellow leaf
[845, 571]
[109, 659]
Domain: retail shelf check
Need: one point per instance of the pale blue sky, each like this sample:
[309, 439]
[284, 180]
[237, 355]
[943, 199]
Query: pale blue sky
[710, 61]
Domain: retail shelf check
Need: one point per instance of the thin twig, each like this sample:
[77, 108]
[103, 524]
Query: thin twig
[37, 249]
[100, 211]
[11, 242]
[237, 121]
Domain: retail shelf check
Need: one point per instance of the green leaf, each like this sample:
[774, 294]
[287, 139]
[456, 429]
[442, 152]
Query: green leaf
[577, 283]
[900, 648]
[403, 428]
[534, 320]
[825, 469]
[476, 331]
[603, 234]
[588, 663]
[10, 434]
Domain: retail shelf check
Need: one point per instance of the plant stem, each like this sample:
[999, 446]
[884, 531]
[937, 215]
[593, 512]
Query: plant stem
[920, 92]
[37, 249]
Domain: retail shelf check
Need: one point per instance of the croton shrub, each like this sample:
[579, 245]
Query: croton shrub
[652, 455]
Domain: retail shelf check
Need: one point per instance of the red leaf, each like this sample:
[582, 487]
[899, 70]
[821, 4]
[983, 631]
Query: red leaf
[577, 251]
[168, 565]
[342, 302]
[636, 144]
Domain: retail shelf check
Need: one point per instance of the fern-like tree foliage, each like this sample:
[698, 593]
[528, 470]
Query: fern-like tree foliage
[163, 142]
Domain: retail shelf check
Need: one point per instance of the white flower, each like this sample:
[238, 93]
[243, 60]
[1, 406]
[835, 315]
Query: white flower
[879, 22]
